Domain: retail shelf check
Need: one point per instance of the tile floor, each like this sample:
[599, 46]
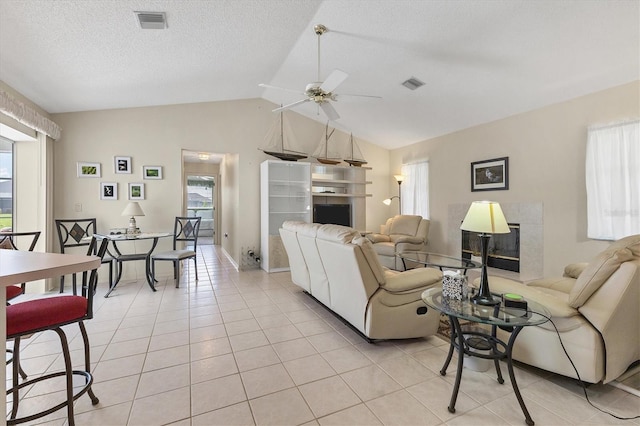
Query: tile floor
[245, 348]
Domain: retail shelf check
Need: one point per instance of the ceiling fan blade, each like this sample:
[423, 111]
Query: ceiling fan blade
[329, 110]
[345, 96]
[268, 86]
[282, 108]
[334, 80]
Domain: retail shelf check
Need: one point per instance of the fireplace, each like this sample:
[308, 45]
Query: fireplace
[504, 249]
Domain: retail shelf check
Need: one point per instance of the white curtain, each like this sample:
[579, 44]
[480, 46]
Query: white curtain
[613, 181]
[415, 189]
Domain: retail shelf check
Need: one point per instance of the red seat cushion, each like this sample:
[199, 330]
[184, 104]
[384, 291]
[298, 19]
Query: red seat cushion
[13, 291]
[42, 313]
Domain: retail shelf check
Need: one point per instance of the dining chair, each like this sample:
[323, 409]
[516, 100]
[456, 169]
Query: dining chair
[18, 241]
[185, 229]
[54, 313]
[77, 233]
[10, 240]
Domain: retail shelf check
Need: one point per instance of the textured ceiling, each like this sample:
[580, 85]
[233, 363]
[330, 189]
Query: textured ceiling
[480, 60]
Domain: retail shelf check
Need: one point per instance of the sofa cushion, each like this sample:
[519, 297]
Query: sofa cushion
[337, 233]
[378, 238]
[405, 224]
[385, 249]
[602, 267]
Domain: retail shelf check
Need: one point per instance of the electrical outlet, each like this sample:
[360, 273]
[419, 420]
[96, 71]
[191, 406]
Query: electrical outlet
[77, 207]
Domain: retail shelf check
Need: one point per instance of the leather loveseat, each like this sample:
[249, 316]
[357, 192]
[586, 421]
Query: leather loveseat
[339, 268]
[400, 233]
[595, 307]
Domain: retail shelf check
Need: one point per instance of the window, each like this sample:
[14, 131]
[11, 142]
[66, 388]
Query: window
[415, 189]
[613, 181]
[6, 183]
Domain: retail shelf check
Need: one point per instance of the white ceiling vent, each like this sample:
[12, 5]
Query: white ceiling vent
[152, 20]
[412, 83]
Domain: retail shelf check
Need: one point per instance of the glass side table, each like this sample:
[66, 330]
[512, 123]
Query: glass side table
[508, 319]
[436, 260]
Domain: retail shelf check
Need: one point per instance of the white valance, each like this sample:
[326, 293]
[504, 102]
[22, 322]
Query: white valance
[28, 116]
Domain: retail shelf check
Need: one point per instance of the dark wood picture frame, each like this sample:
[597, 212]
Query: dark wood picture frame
[490, 175]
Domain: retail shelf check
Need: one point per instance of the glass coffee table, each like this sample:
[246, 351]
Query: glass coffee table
[436, 260]
[512, 320]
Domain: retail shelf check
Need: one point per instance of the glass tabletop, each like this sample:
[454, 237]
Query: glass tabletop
[438, 260]
[140, 236]
[499, 315]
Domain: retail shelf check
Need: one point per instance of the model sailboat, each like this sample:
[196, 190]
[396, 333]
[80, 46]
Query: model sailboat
[279, 140]
[354, 156]
[322, 153]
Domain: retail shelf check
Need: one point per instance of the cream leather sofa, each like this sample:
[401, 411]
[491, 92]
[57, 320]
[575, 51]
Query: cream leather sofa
[595, 307]
[399, 234]
[339, 268]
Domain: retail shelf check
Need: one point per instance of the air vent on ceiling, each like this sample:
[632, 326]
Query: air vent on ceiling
[412, 83]
[152, 20]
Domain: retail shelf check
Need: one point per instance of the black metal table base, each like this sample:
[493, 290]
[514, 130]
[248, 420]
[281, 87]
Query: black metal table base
[499, 350]
[119, 258]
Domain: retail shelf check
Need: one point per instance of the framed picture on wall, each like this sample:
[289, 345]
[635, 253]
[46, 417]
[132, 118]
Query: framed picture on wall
[122, 164]
[108, 190]
[490, 175]
[88, 169]
[136, 191]
[152, 172]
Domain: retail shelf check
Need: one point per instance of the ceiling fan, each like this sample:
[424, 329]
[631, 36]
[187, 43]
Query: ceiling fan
[320, 92]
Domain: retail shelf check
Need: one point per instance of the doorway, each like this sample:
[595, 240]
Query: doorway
[201, 192]
[201, 203]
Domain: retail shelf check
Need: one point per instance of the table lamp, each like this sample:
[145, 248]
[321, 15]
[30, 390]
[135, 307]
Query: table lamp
[133, 209]
[485, 218]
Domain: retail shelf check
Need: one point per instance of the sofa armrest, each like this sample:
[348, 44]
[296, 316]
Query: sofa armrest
[411, 280]
[378, 238]
[406, 239]
[573, 270]
[558, 306]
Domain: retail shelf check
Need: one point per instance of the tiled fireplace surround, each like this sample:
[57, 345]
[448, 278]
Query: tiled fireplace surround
[530, 218]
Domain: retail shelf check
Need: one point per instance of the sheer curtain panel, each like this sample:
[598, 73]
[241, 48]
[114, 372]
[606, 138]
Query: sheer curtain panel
[613, 181]
[415, 189]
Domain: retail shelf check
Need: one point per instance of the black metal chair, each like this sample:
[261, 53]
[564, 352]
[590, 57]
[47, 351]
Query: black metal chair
[185, 229]
[18, 241]
[10, 240]
[55, 313]
[78, 233]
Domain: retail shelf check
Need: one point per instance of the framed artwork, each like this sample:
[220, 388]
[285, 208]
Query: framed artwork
[136, 191]
[490, 175]
[152, 172]
[88, 169]
[122, 164]
[108, 190]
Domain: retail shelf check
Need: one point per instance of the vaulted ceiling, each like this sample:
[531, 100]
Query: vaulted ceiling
[480, 60]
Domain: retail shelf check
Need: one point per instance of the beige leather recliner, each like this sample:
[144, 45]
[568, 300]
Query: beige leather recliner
[340, 269]
[401, 233]
[595, 307]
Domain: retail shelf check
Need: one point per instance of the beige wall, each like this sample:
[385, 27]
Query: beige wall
[546, 150]
[157, 136]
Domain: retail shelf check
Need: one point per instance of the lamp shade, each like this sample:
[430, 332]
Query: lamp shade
[399, 178]
[485, 217]
[133, 209]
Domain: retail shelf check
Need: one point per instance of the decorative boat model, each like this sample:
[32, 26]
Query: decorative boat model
[322, 153]
[354, 156]
[278, 141]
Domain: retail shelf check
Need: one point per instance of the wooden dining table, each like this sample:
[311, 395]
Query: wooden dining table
[17, 267]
